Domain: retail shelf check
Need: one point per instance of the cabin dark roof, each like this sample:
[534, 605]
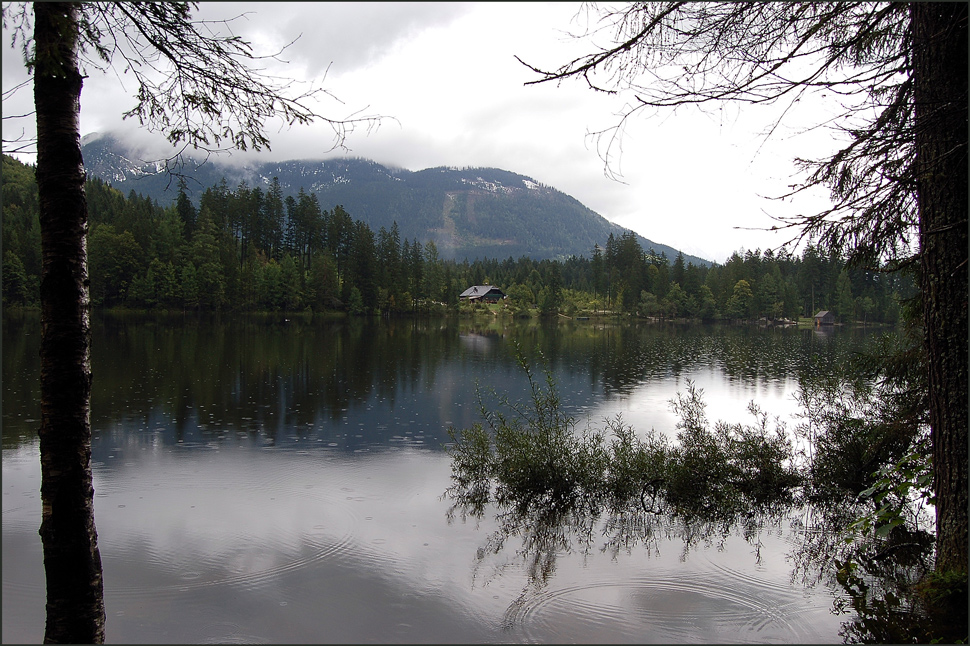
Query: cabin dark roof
[478, 291]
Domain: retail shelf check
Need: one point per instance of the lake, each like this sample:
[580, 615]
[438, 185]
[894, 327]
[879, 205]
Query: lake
[264, 480]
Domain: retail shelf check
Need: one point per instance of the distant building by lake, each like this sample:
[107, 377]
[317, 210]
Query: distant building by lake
[488, 293]
[824, 317]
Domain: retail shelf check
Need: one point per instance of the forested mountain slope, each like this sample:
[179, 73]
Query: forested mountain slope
[247, 249]
[468, 213]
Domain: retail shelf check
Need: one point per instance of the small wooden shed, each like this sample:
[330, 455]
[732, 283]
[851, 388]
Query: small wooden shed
[824, 317]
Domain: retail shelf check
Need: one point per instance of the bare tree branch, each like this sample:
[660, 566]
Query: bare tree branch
[197, 82]
[667, 55]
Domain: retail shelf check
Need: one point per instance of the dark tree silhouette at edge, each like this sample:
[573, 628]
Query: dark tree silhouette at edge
[902, 176]
[72, 562]
[197, 87]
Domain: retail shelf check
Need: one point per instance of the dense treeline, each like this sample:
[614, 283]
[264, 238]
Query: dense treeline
[244, 248]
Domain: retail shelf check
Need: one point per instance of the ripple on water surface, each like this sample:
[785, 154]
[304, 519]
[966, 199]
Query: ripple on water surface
[239, 520]
[703, 600]
[676, 610]
[227, 632]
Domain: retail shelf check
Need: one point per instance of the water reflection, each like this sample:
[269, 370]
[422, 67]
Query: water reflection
[355, 383]
[648, 579]
[261, 481]
[556, 491]
[256, 546]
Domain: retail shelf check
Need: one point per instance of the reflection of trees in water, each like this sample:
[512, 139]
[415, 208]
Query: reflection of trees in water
[555, 489]
[269, 375]
[21, 375]
[153, 370]
[621, 357]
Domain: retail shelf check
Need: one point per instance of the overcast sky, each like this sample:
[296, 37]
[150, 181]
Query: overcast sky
[445, 76]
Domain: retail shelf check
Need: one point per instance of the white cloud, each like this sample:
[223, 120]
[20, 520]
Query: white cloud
[446, 75]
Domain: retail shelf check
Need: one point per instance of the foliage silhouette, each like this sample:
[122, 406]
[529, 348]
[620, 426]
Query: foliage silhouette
[558, 488]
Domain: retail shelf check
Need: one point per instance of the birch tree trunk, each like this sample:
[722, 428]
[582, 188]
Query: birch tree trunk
[72, 561]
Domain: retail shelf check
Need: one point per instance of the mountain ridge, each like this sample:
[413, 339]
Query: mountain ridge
[468, 212]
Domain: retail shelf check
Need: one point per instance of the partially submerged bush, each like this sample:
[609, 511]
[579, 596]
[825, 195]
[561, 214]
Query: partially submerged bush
[533, 460]
[531, 454]
[861, 478]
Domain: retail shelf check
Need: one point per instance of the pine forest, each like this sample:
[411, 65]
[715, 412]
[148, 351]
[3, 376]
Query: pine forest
[246, 249]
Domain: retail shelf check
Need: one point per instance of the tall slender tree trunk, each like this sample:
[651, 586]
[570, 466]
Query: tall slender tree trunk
[75, 599]
[940, 76]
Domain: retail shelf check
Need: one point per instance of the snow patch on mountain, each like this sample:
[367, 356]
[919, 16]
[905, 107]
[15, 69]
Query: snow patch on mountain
[491, 187]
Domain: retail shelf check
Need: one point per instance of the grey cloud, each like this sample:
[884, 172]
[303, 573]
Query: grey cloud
[348, 35]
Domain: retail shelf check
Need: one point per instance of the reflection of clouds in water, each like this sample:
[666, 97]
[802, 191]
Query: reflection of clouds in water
[479, 343]
[667, 607]
[221, 545]
[246, 514]
[227, 518]
[648, 405]
[721, 592]
[248, 545]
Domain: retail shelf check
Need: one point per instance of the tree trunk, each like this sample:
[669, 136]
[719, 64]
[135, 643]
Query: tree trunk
[75, 599]
[940, 77]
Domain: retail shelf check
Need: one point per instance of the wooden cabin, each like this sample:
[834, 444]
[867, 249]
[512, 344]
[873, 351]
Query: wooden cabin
[824, 317]
[487, 293]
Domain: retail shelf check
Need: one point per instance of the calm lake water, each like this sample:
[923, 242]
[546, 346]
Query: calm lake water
[261, 480]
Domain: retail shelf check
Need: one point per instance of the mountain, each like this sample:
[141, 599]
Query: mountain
[469, 213]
